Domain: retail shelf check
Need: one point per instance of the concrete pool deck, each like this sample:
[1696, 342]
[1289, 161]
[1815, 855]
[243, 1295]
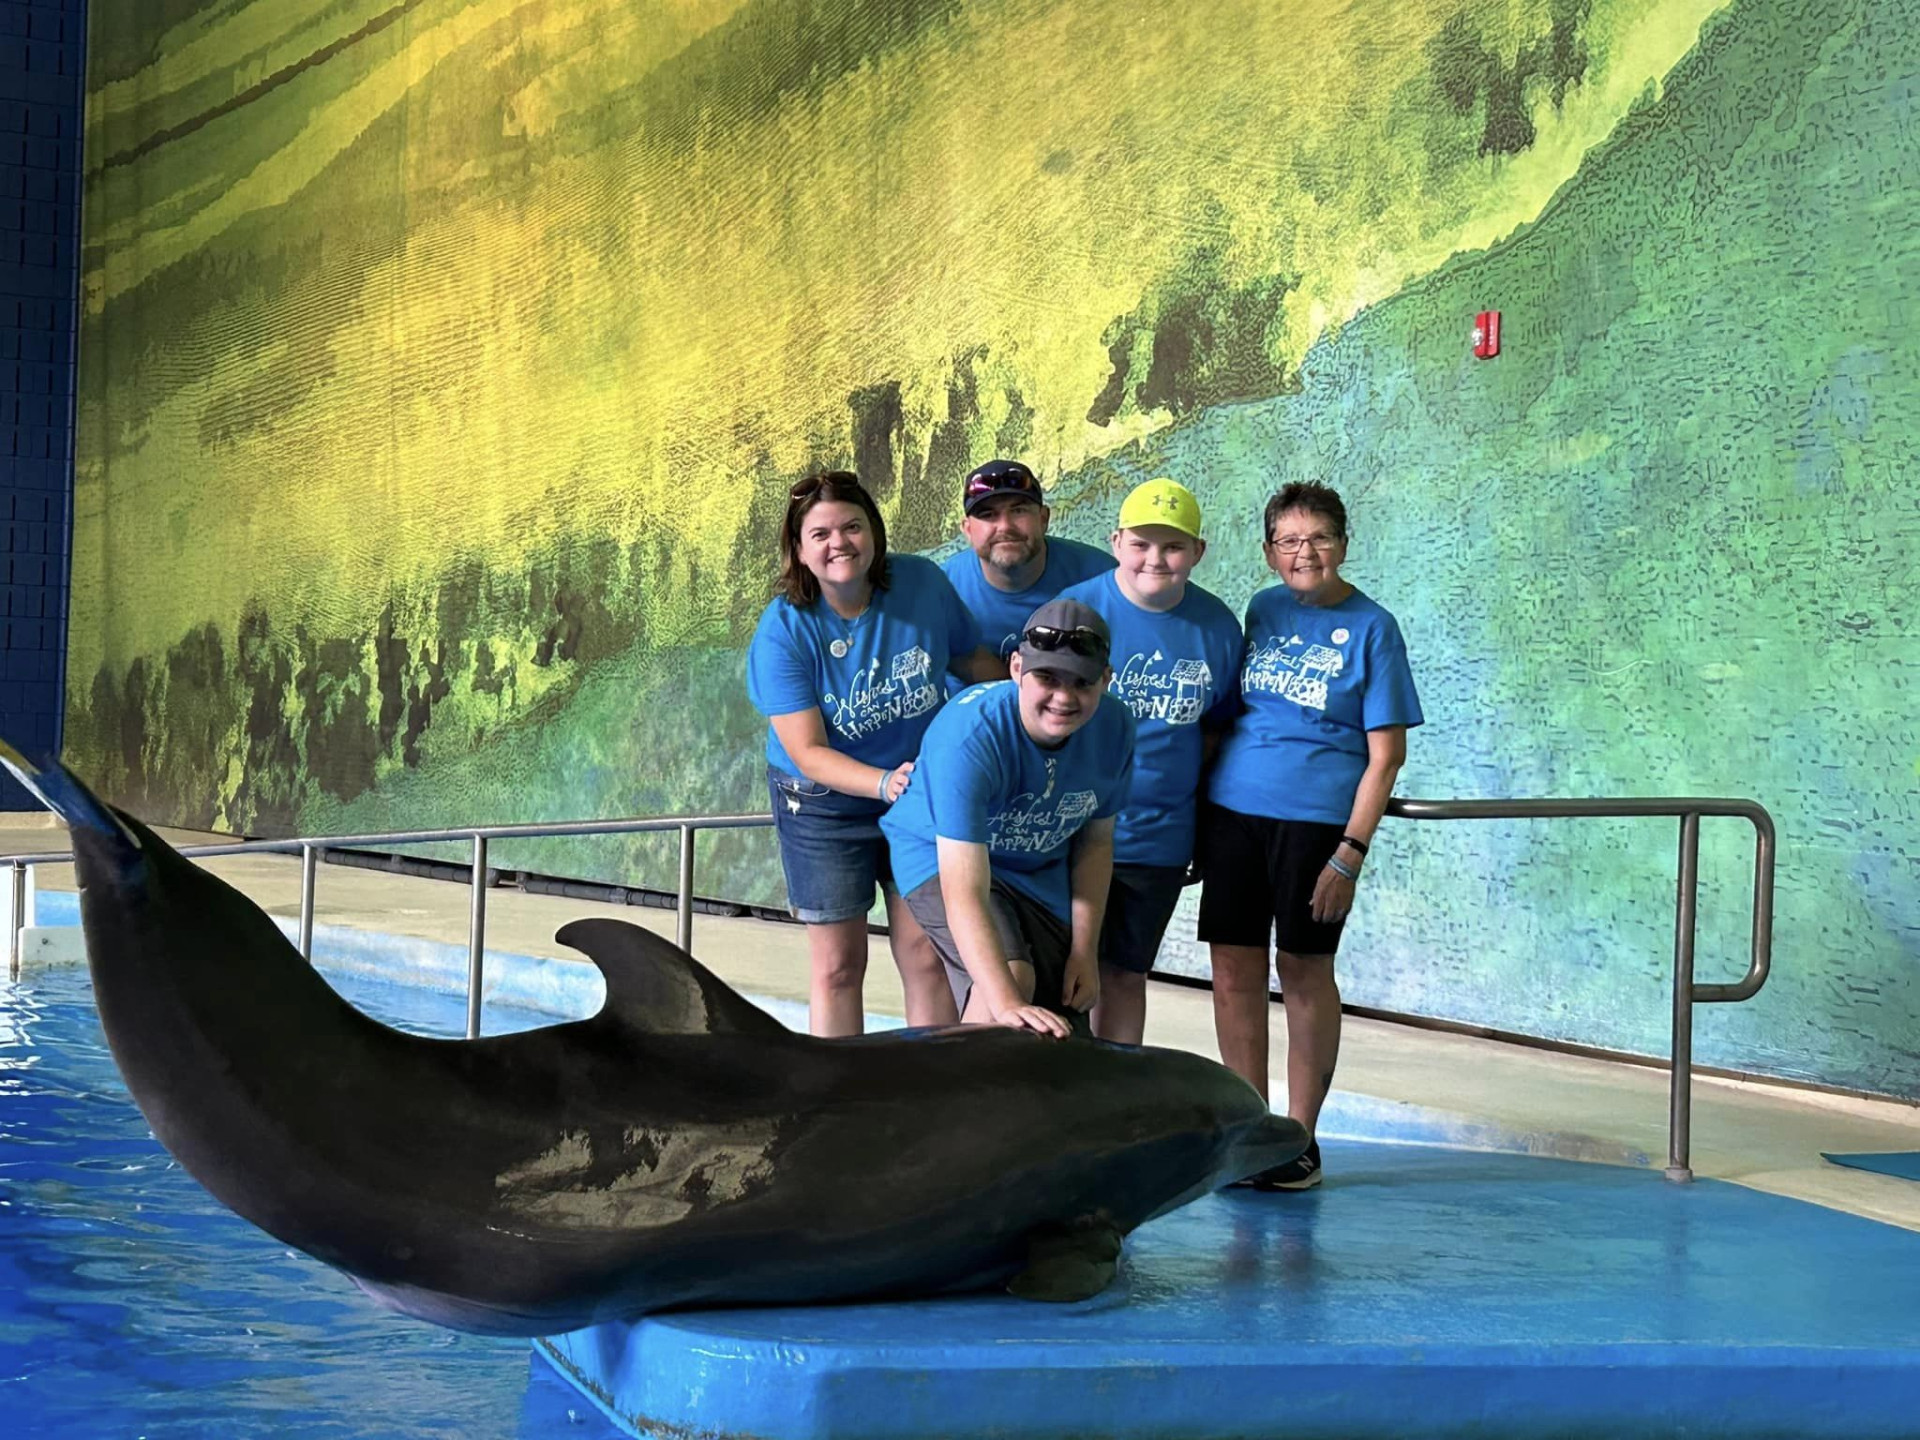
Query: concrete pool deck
[1396, 1082]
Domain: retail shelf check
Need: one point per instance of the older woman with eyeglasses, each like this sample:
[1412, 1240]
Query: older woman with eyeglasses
[1300, 783]
[849, 664]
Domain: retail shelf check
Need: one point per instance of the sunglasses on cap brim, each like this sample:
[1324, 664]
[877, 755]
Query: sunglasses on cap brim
[981, 486]
[1080, 640]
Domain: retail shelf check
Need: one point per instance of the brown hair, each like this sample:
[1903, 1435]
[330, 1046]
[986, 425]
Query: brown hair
[797, 582]
[1315, 499]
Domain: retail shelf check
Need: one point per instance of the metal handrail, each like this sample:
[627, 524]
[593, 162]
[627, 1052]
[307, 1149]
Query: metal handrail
[312, 847]
[1687, 810]
[1685, 993]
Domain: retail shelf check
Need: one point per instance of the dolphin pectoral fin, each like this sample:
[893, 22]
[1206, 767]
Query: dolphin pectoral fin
[656, 987]
[60, 790]
[1068, 1264]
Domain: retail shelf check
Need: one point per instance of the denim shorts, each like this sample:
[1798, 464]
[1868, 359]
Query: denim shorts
[831, 848]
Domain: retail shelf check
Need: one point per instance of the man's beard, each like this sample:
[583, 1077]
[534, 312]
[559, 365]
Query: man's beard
[1012, 554]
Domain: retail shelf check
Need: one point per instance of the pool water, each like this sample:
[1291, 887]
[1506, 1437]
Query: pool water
[133, 1304]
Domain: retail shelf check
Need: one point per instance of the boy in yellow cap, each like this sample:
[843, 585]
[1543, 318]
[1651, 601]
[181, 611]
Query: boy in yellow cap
[1176, 666]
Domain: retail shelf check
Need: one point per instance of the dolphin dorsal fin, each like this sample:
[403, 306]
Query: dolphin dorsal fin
[655, 986]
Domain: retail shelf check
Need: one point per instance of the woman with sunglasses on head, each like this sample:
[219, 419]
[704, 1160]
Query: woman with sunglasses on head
[849, 664]
[1300, 783]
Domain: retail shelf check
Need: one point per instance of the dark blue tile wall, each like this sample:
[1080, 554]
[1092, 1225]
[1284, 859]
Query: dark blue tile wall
[42, 64]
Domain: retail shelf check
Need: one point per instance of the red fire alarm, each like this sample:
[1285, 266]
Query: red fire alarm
[1486, 334]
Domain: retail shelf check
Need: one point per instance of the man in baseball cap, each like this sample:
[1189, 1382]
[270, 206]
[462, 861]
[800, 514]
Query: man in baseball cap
[1011, 565]
[1003, 844]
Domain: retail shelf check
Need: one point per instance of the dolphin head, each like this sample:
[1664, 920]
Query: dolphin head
[1171, 1125]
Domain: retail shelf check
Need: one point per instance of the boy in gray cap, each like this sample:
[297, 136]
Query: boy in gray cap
[1003, 844]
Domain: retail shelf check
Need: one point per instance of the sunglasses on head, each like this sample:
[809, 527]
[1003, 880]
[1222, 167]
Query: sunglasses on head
[814, 483]
[979, 486]
[1080, 640]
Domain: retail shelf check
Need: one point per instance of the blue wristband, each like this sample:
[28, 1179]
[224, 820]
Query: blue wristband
[1339, 867]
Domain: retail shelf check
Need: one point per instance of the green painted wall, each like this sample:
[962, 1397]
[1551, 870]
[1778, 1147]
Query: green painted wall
[444, 362]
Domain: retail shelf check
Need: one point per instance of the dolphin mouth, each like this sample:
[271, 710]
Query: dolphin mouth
[1269, 1141]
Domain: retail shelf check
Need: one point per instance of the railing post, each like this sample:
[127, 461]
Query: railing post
[309, 869]
[683, 931]
[477, 937]
[16, 961]
[1680, 1116]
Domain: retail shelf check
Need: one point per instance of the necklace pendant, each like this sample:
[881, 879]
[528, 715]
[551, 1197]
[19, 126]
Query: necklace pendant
[839, 649]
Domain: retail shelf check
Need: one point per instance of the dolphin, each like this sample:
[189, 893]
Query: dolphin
[679, 1148]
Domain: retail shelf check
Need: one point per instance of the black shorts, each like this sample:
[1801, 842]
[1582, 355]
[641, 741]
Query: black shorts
[1027, 929]
[1140, 904]
[1257, 879]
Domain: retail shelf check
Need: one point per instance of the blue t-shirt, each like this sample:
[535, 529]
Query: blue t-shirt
[1003, 613]
[981, 778]
[1178, 671]
[876, 680]
[1313, 681]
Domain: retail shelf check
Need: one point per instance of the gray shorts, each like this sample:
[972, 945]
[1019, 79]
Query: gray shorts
[1028, 931]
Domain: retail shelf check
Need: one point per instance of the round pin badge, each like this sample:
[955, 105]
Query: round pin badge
[839, 649]
[1340, 637]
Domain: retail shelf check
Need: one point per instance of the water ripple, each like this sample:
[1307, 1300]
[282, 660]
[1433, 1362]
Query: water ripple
[133, 1303]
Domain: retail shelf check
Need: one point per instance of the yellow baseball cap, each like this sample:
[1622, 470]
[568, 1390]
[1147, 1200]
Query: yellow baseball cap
[1161, 502]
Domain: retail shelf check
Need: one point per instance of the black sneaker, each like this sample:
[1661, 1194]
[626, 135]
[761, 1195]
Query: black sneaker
[1300, 1174]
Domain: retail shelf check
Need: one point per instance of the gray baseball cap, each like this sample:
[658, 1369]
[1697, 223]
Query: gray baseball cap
[1067, 637]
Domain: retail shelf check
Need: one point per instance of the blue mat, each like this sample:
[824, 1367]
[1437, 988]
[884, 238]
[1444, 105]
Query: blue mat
[1419, 1293]
[1903, 1163]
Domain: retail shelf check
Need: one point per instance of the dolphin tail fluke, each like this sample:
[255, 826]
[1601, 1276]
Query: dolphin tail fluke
[62, 792]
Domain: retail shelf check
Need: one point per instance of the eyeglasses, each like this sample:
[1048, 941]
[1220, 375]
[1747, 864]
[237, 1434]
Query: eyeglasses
[1290, 544]
[1080, 640]
[997, 482]
[815, 483]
